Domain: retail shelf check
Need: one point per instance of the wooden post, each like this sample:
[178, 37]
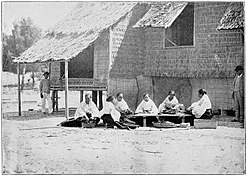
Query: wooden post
[19, 89]
[144, 121]
[66, 89]
[94, 97]
[81, 95]
[100, 100]
[49, 66]
[53, 100]
[56, 100]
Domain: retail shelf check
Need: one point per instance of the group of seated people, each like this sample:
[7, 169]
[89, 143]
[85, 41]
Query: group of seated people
[112, 110]
[116, 109]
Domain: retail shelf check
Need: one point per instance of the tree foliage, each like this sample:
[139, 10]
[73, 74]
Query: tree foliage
[24, 34]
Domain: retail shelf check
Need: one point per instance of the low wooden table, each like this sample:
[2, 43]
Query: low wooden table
[177, 116]
[144, 116]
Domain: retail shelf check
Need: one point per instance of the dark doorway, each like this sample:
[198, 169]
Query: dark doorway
[81, 66]
[181, 32]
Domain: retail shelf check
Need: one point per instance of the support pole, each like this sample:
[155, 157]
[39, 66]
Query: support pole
[56, 98]
[19, 89]
[66, 89]
[100, 100]
[94, 97]
[49, 66]
[81, 95]
[53, 100]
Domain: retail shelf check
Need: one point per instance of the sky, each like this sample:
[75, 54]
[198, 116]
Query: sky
[44, 14]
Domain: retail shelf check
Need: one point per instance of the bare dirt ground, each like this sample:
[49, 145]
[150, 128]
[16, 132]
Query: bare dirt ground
[30, 148]
[33, 144]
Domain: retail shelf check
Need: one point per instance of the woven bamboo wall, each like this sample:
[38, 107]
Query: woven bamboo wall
[181, 86]
[101, 56]
[219, 91]
[127, 54]
[55, 71]
[128, 46]
[214, 54]
[128, 87]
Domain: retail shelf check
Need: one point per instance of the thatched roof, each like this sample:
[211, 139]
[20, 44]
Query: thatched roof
[76, 31]
[233, 17]
[161, 14]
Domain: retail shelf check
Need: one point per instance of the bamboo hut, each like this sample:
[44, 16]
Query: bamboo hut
[78, 47]
[185, 52]
[139, 48]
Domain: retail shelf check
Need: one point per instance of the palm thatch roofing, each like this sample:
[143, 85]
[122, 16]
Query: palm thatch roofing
[76, 31]
[233, 17]
[161, 14]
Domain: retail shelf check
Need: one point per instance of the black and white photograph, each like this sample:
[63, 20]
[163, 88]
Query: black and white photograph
[123, 88]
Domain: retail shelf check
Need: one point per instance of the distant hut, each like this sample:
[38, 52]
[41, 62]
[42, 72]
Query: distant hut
[136, 47]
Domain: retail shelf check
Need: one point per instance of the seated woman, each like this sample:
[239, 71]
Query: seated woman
[87, 110]
[147, 106]
[121, 105]
[123, 108]
[170, 104]
[202, 108]
[109, 114]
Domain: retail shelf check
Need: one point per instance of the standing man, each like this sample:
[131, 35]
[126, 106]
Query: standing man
[44, 88]
[238, 94]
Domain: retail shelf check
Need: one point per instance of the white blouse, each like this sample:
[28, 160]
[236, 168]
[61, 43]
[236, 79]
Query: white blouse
[121, 105]
[200, 107]
[87, 108]
[166, 102]
[150, 106]
[109, 108]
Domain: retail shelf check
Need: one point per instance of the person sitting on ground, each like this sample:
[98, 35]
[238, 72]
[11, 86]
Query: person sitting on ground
[202, 108]
[170, 104]
[109, 114]
[123, 108]
[121, 105]
[87, 111]
[147, 106]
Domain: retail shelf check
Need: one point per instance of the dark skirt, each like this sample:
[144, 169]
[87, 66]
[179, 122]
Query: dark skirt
[73, 122]
[108, 120]
[207, 115]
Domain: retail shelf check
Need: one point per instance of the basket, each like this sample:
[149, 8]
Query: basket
[165, 124]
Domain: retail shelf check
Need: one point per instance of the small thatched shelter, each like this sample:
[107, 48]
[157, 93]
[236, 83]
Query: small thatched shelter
[73, 38]
[233, 17]
[162, 14]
